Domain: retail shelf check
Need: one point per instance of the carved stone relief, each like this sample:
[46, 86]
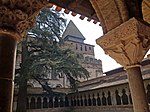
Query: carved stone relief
[128, 43]
[19, 15]
[111, 13]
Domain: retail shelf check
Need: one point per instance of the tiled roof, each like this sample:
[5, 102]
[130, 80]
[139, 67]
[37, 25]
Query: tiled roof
[72, 30]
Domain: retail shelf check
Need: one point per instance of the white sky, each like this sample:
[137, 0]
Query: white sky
[91, 32]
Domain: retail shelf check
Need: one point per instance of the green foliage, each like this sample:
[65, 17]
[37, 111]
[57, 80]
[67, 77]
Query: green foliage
[50, 25]
[42, 54]
[48, 57]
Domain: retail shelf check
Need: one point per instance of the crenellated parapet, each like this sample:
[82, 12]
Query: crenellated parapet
[128, 43]
[19, 15]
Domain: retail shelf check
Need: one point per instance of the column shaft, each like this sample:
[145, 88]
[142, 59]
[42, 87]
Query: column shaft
[138, 94]
[7, 60]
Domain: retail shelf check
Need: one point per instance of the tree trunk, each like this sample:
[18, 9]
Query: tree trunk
[22, 91]
[22, 97]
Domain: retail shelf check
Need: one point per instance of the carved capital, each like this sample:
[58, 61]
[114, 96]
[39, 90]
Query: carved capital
[128, 43]
[19, 15]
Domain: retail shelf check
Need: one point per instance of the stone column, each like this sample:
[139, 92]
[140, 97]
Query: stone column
[128, 44]
[7, 58]
[17, 16]
[137, 89]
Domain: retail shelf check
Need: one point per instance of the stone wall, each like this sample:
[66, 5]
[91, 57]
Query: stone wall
[88, 109]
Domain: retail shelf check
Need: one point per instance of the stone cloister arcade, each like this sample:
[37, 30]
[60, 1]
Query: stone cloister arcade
[102, 97]
[126, 37]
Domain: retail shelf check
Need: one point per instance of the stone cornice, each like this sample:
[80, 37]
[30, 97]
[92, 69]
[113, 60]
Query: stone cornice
[19, 15]
[128, 43]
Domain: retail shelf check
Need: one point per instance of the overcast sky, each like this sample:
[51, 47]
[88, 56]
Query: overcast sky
[91, 32]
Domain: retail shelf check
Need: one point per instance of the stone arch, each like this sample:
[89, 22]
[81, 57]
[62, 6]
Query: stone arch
[121, 11]
[61, 100]
[124, 97]
[72, 102]
[94, 100]
[78, 101]
[45, 102]
[56, 104]
[32, 103]
[50, 102]
[118, 98]
[98, 100]
[81, 100]
[109, 98]
[146, 10]
[104, 102]
[89, 101]
[75, 101]
[39, 103]
[85, 101]
[66, 101]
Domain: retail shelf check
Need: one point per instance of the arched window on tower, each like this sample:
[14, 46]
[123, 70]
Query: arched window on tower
[76, 46]
[81, 47]
[85, 48]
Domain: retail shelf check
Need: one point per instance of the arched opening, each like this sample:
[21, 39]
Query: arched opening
[61, 102]
[45, 103]
[118, 98]
[78, 101]
[94, 100]
[39, 104]
[104, 99]
[72, 102]
[56, 102]
[75, 101]
[32, 103]
[89, 101]
[109, 98]
[98, 100]
[85, 101]
[66, 101]
[81, 101]
[124, 97]
[51, 102]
